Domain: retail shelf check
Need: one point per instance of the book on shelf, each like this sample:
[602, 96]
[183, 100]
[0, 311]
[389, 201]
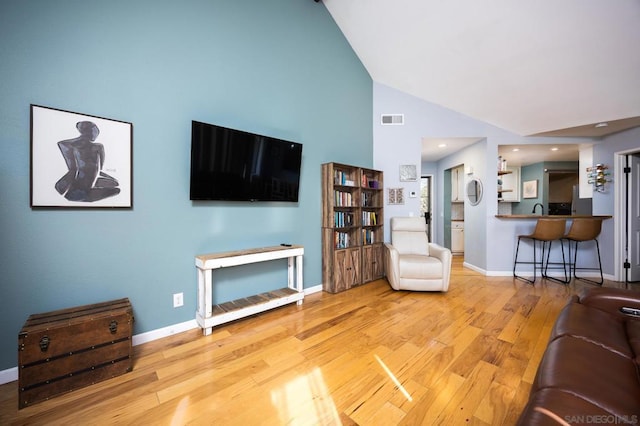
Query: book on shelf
[343, 219]
[367, 182]
[343, 199]
[342, 178]
[369, 218]
[368, 199]
[341, 240]
[368, 236]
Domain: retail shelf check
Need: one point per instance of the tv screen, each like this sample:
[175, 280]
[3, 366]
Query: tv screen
[228, 164]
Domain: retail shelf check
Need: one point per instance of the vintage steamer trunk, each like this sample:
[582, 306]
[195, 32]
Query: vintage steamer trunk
[68, 349]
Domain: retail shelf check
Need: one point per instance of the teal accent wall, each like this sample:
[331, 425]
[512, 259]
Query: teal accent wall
[280, 68]
[538, 172]
[529, 173]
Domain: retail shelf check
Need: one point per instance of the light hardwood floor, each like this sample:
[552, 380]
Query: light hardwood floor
[368, 356]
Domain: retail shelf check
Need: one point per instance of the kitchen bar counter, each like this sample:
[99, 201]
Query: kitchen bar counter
[559, 216]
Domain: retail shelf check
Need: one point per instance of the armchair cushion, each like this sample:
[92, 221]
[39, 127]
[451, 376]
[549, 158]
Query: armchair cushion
[419, 266]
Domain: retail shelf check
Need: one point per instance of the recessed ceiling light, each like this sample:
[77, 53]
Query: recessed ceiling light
[597, 126]
[442, 145]
[516, 149]
[554, 149]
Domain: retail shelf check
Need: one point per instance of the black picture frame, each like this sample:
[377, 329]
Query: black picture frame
[80, 160]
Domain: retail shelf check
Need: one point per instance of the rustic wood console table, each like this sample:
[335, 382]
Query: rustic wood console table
[209, 315]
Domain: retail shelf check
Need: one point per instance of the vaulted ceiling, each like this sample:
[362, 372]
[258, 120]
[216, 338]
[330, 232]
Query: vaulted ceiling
[531, 67]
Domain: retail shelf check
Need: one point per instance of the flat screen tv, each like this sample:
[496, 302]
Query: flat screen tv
[234, 165]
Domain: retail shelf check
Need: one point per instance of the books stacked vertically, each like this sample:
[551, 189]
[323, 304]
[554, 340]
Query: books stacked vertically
[368, 236]
[343, 199]
[342, 178]
[343, 219]
[369, 219]
[341, 240]
[367, 182]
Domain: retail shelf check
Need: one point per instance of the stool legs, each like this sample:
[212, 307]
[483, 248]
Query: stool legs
[546, 231]
[575, 261]
[515, 263]
[543, 264]
[567, 277]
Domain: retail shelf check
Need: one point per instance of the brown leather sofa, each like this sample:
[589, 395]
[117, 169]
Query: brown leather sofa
[590, 371]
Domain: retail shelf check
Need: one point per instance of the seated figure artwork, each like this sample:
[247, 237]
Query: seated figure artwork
[85, 180]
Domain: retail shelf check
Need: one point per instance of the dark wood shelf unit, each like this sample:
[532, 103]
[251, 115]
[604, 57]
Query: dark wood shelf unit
[352, 226]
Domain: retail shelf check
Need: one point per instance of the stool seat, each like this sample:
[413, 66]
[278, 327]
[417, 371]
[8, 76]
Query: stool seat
[582, 230]
[546, 231]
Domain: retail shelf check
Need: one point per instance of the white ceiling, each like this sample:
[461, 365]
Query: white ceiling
[528, 67]
[523, 155]
[434, 149]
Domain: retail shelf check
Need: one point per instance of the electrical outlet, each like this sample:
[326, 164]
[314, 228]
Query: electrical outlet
[178, 300]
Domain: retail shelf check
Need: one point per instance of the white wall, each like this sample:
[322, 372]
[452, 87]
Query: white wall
[492, 239]
[604, 202]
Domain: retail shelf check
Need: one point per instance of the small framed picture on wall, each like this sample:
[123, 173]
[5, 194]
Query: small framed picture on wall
[530, 189]
[408, 173]
[395, 196]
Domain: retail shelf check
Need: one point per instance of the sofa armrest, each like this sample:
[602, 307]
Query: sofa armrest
[612, 300]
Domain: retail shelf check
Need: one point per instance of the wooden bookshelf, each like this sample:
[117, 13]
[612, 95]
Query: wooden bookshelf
[352, 226]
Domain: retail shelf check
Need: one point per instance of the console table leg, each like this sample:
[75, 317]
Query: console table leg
[290, 273]
[205, 296]
[299, 285]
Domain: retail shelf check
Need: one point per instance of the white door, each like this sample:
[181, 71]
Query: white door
[633, 192]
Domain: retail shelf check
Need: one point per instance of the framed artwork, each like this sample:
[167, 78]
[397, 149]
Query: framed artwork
[408, 173]
[80, 161]
[530, 189]
[396, 195]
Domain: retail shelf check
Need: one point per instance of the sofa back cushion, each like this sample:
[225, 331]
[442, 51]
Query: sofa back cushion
[596, 326]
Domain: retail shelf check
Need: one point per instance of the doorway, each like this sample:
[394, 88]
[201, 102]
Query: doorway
[632, 222]
[627, 241]
[426, 203]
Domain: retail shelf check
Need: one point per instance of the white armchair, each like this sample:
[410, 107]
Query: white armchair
[411, 261]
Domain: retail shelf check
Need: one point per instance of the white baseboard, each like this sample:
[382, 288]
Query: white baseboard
[152, 335]
[8, 375]
[593, 274]
[11, 374]
[499, 273]
[311, 290]
[474, 268]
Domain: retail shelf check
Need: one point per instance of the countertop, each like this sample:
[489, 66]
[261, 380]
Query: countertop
[559, 216]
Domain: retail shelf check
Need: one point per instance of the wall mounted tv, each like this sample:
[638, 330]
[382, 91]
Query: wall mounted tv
[233, 165]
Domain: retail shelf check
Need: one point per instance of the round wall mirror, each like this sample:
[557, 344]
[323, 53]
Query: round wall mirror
[474, 191]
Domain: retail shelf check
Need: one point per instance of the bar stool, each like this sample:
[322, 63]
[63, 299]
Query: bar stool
[546, 231]
[582, 230]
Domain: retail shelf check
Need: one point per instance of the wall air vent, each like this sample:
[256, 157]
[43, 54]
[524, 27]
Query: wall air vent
[392, 120]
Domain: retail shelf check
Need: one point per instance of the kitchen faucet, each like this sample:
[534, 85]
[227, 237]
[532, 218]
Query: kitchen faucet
[541, 208]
